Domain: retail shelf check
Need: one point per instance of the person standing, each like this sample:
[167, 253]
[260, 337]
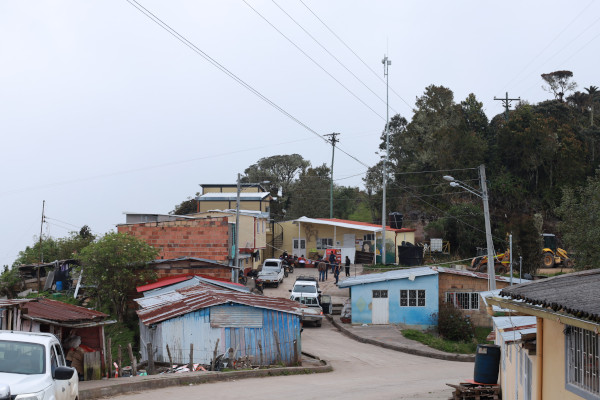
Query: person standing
[322, 268]
[336, 272]
[332, 261]
[347, 266]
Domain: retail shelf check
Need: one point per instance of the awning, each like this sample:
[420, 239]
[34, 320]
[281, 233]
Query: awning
[338, 224]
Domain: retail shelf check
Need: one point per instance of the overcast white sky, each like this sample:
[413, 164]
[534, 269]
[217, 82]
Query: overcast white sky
[102, 111]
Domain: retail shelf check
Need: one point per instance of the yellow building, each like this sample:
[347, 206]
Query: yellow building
[253, 233]
[253, 197]
[564, 364]
[312, 236]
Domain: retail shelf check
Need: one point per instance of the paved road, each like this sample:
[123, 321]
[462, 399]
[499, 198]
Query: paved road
[361, 371]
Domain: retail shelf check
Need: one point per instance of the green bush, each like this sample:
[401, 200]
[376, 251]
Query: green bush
[453, 325]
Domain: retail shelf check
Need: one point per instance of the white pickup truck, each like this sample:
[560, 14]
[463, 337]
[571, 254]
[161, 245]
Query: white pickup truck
[272, 272]
[33, 367]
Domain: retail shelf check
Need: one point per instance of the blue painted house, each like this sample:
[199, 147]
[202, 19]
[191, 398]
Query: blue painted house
[265, 329]
[408, 297]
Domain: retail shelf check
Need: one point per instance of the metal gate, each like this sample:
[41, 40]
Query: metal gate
[380, 310]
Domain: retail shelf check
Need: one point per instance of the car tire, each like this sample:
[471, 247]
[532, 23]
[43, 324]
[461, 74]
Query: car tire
[318, 324]
[276, 284]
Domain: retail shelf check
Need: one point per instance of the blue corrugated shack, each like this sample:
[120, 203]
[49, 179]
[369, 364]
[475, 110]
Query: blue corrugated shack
[264, 328]
[408, 297]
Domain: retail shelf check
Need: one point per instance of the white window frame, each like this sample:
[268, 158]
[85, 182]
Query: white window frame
[413, 298]
[582, 377]
[463, 300]
[324, 243]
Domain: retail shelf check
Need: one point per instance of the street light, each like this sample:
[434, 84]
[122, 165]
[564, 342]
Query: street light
[237, 227]
[483, 194]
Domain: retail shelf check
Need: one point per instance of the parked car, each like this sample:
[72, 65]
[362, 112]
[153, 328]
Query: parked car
[305, 286]
[272, 272]
[312, 312]
[33, 366]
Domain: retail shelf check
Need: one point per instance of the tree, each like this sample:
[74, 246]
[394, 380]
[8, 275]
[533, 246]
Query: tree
[115, 265]
[55, 249]
[311, 194]
[559, 82]
[580, 225]
[188, 206]
[281, 172]
[593, 97]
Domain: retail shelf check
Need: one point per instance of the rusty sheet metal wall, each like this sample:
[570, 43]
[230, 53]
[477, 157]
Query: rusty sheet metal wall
[260, 343]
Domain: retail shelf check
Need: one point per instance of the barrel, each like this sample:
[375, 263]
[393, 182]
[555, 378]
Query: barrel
[487, 363]
[59, 286]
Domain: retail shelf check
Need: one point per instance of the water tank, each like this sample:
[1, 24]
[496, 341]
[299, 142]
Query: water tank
[487, 363]
[395, 220]
[59, 286]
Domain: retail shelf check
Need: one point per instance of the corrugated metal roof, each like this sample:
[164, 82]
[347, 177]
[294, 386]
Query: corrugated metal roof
[181, 282]
[159, 308]
[473, 274]
[13, 302]
[360, 224]
[387, 276]
[54, 310]
[512, 328]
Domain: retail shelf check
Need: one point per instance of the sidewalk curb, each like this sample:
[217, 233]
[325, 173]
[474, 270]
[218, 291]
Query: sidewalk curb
[403, 349]
[143, 383]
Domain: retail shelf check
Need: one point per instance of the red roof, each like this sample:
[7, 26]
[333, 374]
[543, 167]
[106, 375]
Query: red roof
[54, 310]
[169, 305]
[347, 221]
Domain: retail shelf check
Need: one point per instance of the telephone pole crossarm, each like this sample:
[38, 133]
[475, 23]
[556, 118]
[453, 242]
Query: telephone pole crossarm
[506, 103]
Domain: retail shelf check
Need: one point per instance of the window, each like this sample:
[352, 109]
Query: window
[369, 236]
[583, 361]
[412, 298]
[324, 243]
[463, 300]
[380, 294]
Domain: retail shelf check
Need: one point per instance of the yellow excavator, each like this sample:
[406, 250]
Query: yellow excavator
[501, 262]
[552, 255]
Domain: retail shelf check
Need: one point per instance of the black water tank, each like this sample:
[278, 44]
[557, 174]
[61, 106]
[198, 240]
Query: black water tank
[395, 220]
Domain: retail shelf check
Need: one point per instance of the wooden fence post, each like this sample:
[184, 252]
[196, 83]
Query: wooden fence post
[119, 362]
[277, 344]
[109, 366]
[150, 359]
[212, 366]
[191, 364]
[298, 361]
[170, 358]
[132, 359]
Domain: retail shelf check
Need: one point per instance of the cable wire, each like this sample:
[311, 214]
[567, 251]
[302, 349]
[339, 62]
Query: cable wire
[353, 52]
[227, 72]
[313, 60]
[331, 54]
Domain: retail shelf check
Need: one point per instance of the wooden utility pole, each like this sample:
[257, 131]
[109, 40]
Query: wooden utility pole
[333, 140]
[506, 103]
[39, 281]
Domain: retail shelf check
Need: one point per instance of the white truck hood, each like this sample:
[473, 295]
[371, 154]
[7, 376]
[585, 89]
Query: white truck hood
[23, 383]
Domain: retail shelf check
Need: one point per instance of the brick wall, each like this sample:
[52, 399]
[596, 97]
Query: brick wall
[459, 283]
[201, 238]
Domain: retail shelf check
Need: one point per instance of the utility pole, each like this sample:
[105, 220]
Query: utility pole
[506, 103]
[386, 63]
[39, 282]
[235, 271]
[333, 140]
[488, 229]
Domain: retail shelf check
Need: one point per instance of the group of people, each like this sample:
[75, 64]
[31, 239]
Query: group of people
[323, 266]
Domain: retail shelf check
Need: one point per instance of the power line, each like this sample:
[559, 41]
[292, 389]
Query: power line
[548, 45]
[353, 52]
[331, 54]
[312, 59]
[226, 71]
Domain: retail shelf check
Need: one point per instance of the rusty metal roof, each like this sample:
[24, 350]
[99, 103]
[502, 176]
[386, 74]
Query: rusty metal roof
[474, 274]
[169, 305]
[54, 310]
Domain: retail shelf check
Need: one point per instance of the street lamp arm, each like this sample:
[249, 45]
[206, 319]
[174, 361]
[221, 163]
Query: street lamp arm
[467, 188]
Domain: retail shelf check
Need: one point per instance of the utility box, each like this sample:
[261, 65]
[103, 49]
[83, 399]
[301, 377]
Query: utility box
[436, 245]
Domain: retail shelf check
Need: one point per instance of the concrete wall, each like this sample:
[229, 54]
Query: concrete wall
[418, 317]
[201, 238]
[311, 232]
[511, 370]
[258, 343]
[460, 283]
